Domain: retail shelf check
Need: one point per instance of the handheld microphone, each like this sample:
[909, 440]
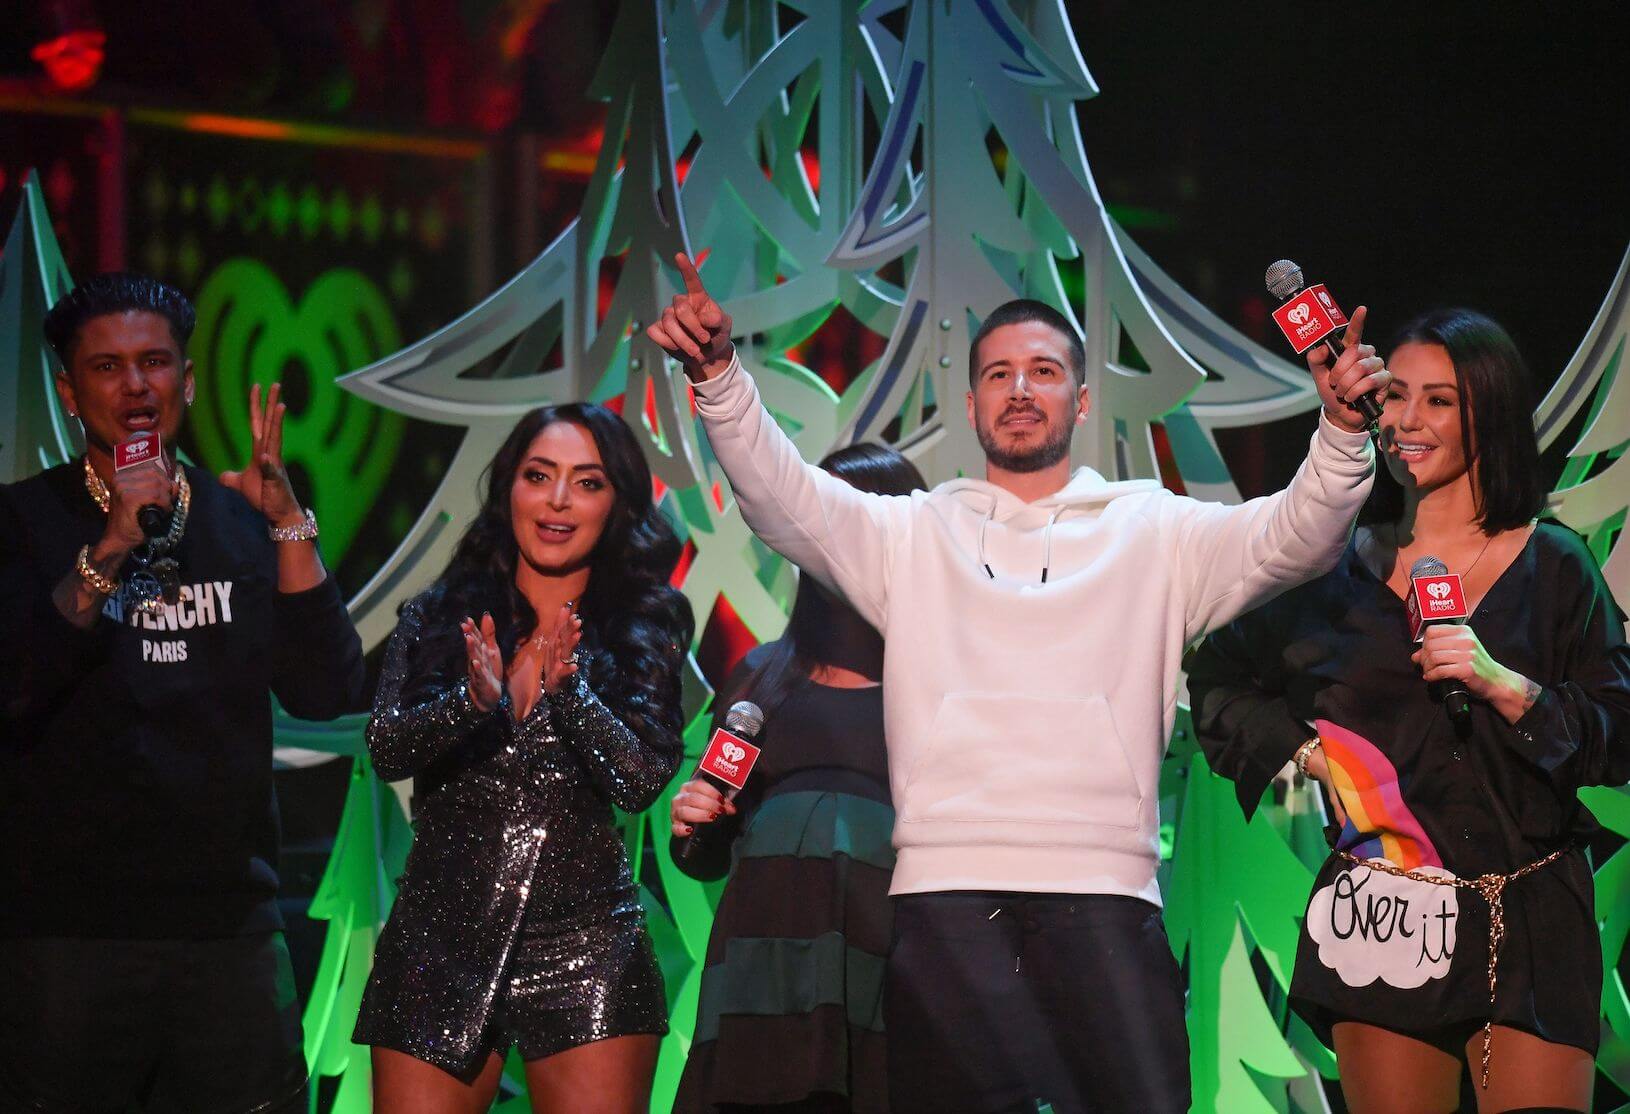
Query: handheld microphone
[1310, 316]
[134, 451]
[728, 760]
[1436, 596]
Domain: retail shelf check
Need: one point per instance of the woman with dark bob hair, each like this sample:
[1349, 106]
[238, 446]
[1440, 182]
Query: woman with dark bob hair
[531, 688]
[790, 1013]
[1453, 924]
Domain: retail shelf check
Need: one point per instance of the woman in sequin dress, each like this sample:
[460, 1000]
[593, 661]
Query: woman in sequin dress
[1394, 971]
[517, 922]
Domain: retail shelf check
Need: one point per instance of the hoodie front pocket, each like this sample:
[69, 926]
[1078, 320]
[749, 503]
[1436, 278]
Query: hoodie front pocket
[996, 757]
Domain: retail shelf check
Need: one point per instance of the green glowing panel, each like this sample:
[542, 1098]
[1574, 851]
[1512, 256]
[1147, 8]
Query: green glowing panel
[251, 331]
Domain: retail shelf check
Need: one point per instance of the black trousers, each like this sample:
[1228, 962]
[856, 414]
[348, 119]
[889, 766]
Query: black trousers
[994, 1001]
[194, 1026]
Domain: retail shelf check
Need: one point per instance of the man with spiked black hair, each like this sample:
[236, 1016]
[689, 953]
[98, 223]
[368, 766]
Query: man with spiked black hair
[141, 947]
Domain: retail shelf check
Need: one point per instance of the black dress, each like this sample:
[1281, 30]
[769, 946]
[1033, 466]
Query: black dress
[791, 1001]
[516, 919]
[1412, 956]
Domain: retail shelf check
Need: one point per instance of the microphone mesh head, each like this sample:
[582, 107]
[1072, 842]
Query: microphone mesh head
[1428, 566]
[1284, 279]
[744, 718]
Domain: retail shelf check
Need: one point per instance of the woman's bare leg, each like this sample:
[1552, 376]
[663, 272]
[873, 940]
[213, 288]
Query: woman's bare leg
[1527, 1071]
[406, 1085]
[606, 1077]
[1383, 1072]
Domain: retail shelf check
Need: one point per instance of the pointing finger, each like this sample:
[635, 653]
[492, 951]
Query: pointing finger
[274, 423]
[687, 271]
[1355, 327]
[256, 430]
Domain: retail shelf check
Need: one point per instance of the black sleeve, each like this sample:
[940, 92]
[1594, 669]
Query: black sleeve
[1241, 715]
[403, 738]
[42, 655]
[317, 669]
[1578, 730]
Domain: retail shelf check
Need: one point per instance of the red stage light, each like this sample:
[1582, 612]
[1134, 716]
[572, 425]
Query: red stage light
[73, 60]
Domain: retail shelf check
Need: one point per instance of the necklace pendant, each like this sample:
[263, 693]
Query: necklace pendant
[168, 575]
[146, 592]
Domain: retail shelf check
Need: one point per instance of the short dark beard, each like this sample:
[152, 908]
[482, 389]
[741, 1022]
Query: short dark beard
[1053, 449]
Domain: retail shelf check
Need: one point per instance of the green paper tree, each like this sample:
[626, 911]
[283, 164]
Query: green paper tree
[354, 896]
[35, 433]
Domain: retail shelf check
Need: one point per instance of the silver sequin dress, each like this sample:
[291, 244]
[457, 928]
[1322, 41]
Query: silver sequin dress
[517, 920]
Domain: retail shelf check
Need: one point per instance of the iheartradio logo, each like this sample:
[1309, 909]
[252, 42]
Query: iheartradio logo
[135, 450]
[728, 758]
[1299, 314]
[1434, 599]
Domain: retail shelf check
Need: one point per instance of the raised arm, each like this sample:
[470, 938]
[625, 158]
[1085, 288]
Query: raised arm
[1235, 557]
[841, 536]
[407, 734]
[317, 669]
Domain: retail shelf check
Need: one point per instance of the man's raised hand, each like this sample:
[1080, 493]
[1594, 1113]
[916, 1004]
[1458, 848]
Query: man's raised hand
[694, 330]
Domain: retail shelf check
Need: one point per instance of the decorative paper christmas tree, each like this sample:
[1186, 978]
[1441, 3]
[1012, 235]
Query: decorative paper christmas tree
[35, 433]
[1595, 486]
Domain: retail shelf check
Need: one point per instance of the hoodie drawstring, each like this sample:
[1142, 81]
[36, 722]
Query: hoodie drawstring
[990, 514]
[1046, 541]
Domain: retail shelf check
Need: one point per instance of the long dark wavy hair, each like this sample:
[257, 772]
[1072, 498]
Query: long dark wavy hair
[636, 627]
[1496, 421]
[791, 658]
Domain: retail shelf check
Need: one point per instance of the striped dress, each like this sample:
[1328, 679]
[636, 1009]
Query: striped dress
[791, 1003]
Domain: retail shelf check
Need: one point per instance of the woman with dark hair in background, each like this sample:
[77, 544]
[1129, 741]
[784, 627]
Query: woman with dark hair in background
[789, 1016]
[1404, 965]
[535, 685]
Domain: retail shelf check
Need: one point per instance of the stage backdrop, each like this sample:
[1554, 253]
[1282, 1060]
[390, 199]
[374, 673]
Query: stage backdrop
[898, 166]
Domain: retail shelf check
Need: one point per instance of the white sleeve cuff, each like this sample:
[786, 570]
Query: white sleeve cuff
[715, 389]
[1345, 441]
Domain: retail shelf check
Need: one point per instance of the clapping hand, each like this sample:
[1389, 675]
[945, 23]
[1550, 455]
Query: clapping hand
[486, 664]
[547, 661]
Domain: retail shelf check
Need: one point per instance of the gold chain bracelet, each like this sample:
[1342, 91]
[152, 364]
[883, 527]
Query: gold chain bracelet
[104, 585]
[1305, 752]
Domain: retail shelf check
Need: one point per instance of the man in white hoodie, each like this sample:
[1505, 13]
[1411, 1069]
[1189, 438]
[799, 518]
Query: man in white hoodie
[1034, 623]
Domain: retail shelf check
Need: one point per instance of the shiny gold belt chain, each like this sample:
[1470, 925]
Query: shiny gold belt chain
[1492, 888]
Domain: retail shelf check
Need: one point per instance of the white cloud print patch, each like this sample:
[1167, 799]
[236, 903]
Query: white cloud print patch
[1370, 925]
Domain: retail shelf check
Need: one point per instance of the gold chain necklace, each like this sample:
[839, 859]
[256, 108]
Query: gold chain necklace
[157, 579]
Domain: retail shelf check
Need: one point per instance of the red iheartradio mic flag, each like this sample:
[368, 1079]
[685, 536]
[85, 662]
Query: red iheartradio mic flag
[1434, 599]
[139, 448]
[1309, 317]
[729, 758]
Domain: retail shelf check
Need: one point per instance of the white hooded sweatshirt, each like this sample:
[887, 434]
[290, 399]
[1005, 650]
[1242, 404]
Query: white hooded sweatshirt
[1032, 650]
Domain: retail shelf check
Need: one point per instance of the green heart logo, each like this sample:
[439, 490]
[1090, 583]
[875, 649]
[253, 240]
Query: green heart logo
[250, 331]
